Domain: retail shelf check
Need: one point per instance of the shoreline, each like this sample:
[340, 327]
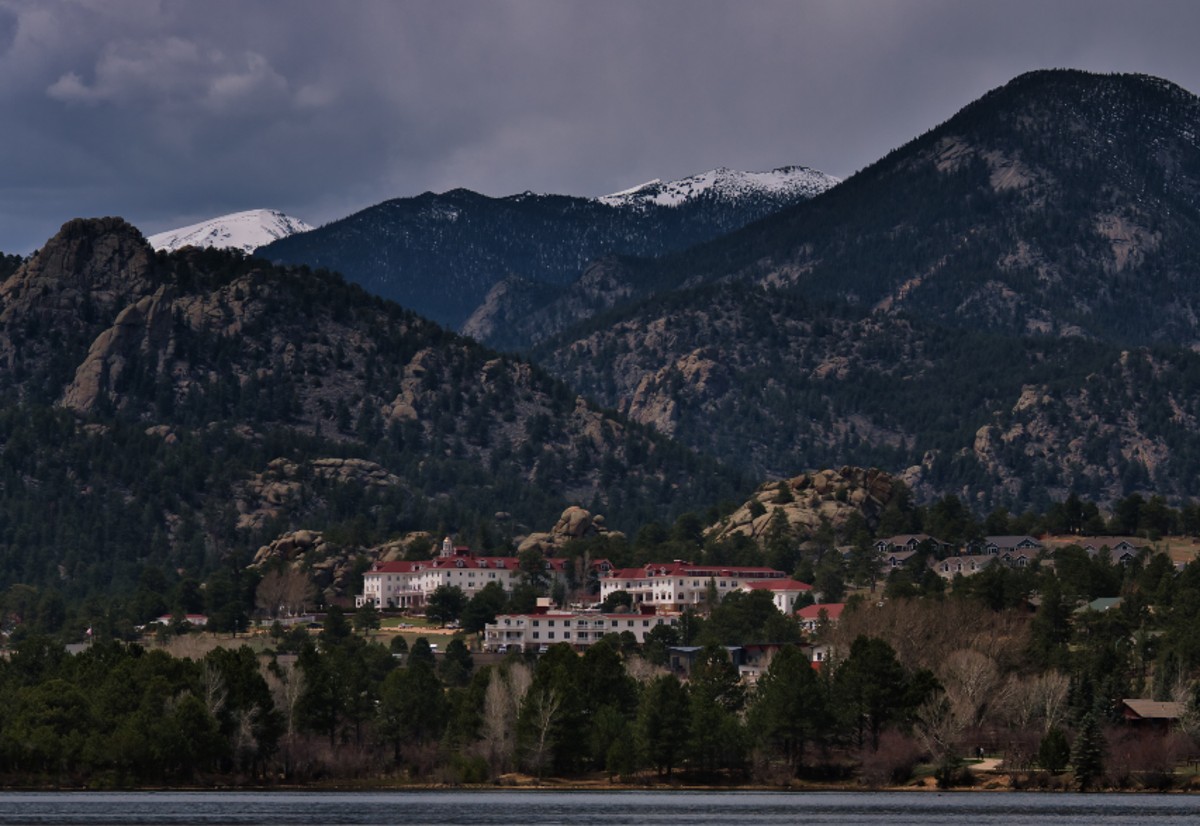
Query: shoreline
[1000, 784]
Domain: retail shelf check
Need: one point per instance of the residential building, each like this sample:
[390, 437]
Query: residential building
[965, 565]
[810, 616]
[910, 542]
[1121, 553]
[579, 629]
[1152, 713]
[1000, 545]
[897, 559]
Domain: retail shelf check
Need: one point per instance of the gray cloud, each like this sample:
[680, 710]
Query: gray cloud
[167, 111]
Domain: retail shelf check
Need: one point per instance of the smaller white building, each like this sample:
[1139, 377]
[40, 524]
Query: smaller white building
[579, 629]
[785, 592]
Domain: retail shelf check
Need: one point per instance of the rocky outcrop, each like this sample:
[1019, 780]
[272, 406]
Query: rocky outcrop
[575, 523]
[811, 500]
[329, 566]
[100, 262]
[284, 485]
[511, 313]
[655, 401]
[55, 304]
[141, 329]
[519, 314]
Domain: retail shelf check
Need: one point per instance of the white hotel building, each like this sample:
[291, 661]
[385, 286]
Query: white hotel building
[674, 586]
[408, 583]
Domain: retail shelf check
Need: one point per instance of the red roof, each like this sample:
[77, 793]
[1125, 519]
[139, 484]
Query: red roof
[778, 585]
[832, 610]
[689, 569]
[509, 563]
[402, 567]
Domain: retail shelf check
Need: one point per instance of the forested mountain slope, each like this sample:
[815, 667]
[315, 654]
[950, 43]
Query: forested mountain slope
[1062, 203]
[971, 310]
[177, 409]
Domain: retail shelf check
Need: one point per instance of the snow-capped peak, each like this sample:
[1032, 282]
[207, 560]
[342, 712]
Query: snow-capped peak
[246, 231]
[787, 181]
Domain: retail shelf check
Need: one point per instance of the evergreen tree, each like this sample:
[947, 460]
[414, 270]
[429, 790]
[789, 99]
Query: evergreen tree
[1087, 754]
[1054, 752]
[791, 707]
[662, 724]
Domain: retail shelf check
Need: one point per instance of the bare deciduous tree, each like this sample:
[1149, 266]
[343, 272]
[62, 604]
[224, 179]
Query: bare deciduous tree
[505, 691]
[544, 714]
[215, 693]
[924, 633]
[643, 670]
[1039, 700]
[939, 726]
[287, 686]
[970, 680]
[284, 591]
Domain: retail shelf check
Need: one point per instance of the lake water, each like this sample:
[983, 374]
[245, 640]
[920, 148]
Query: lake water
[532, 808]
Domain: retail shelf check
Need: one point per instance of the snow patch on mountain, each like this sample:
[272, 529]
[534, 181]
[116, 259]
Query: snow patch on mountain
[246, 231]
[726, 184]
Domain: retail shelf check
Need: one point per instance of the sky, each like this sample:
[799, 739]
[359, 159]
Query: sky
[168, 112]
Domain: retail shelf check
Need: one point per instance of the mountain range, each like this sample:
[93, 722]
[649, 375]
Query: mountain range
[1004, 308]
[440, 254]
[180, 409]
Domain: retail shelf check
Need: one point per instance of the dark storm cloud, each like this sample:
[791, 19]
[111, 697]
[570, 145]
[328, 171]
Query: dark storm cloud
[167, 111]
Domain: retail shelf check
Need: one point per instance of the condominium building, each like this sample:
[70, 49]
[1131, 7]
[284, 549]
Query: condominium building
[579, 629]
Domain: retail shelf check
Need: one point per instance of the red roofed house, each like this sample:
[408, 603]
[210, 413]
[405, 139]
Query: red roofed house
[810, 615]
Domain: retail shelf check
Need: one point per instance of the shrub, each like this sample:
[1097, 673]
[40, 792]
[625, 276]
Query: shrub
[893, 762]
